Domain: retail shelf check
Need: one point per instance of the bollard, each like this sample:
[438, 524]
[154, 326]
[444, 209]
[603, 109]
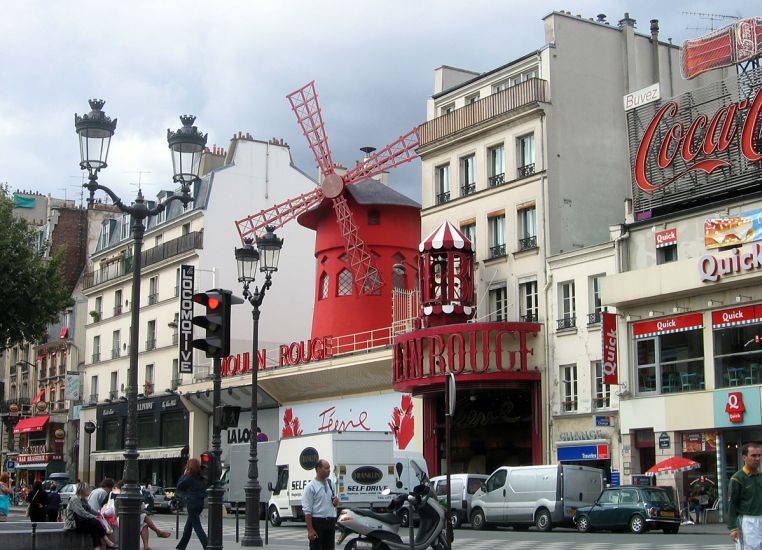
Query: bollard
[34, 536]
[267, 529]
[177, 520]
[236, 522]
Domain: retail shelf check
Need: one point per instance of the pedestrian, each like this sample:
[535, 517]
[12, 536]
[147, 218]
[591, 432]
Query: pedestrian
[38, 503]
[745, 501]
[99, 496]
[146, 521]
[6, 494]
[319, 503]
[192, 488]
[83, 519]
[54, 502]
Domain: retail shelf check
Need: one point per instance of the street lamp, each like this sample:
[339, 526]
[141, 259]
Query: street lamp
[89, 430]
[187, 144]
[266, 254]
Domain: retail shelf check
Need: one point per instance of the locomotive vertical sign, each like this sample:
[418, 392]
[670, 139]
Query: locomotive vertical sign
[610, 361]
[185, 320]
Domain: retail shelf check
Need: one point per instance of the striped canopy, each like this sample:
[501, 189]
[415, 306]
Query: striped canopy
[446, 236]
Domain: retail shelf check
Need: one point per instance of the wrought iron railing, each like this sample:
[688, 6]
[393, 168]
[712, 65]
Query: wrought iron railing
[526, 170]
[117, 310]
[443, 197]
[497, 179]
[594, 318]
[529, 318]
[527, 243]
[153, 298]
[567, 322]
[151, 343]
[115, 353]
[497, 251]
[467, 189]
[96, 357]
[113, 394]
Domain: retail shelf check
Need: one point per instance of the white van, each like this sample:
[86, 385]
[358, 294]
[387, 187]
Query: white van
[463, 487]
[545, 496]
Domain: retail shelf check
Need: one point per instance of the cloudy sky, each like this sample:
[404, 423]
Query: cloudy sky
[231, 63]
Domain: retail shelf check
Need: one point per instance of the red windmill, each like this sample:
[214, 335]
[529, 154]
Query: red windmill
[304, 103]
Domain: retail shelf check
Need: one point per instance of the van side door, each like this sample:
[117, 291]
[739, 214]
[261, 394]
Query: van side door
[494, 497]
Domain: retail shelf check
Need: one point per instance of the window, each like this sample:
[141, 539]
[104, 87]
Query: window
[497, 236]
[447, 109]
[98, 308]
[442, 183]
[666, 254]
[594, 317]
[737, 355]
[496, 159]
[525, 156]
[158, 240]
[113, 392]
[151, 335]
[176, 377]
[467, 175]
[112, 435]
[567, 305]
[66, 319]
[174, 431]
[125, 232]
[161, 217]
[147, 436]
[527, 228]
[372, 282]
[473, 98]
[117, 302]
[116, 344]
[568, 388]
[601, 391]
[498, 306]
[500, 86]
[175, 325]
[105, 236]
[529, 307]
[344, 283]
[148, 380]
[670, 362]
[153, 290]
[96, 349]
[469, 230]
[93, 389]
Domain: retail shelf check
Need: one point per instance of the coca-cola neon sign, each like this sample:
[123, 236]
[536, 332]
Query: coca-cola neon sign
[703, 138]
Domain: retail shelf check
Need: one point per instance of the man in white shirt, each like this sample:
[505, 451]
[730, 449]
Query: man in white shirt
[319, 503]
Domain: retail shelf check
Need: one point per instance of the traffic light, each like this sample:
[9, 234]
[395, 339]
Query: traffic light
[216, 321]
[207, 467]
[226, 416]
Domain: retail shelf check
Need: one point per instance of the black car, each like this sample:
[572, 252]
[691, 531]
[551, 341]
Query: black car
[628, 507]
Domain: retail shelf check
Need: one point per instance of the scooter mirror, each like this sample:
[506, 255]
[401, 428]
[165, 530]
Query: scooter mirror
[386, 491]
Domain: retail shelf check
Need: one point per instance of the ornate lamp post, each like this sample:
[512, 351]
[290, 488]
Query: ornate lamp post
[266, 254]
[187, 145]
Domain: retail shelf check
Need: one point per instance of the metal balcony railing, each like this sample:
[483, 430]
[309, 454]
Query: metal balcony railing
[115, 353]
[594, 318]
[153, 298]
[96, 357]
[497, 251]
[567, 322]
[175, 383]
[524, 171]
[443, 197]
[497, 179]
[500, 104]
[529, 318]
[113, 394]
[467, 189]
[93, 399]
[151, 344]
[117, 310]
[527, 243]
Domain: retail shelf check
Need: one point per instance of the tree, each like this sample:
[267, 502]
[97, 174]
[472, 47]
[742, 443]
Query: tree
[32, 288]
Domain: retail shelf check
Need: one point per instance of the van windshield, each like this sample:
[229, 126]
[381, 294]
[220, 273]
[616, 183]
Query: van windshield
[474, 484]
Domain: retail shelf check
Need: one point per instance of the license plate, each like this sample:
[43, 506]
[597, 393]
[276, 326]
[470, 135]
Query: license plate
[667, 514]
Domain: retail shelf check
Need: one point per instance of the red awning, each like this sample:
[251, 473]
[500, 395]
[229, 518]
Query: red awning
[34, 424]
[445, 236]
[38, 396]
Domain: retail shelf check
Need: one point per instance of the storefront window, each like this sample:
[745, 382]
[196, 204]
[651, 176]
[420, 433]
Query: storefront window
[112, 435]
[147, 432]
[670, 363]
[173, 429]
[738, 355]
[700, 485]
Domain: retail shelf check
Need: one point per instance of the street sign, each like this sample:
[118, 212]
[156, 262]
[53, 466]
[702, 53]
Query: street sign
[664, 441]
[451, 392]
[10, 465]
[185, 317]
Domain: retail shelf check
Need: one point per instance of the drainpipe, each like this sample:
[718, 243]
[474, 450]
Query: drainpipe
[669, 60]
[548, 282]
[655, 48]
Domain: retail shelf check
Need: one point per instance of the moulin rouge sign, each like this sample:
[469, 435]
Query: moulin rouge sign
[296, 353]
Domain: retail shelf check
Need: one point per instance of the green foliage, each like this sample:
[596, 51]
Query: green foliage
[32, 289]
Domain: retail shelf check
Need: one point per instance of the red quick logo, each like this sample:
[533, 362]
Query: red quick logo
[727, 317]
[666, 236]
[666, 325]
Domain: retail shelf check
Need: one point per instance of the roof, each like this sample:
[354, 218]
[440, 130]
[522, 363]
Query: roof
[372, 191]
[33, 424]
[446, 236]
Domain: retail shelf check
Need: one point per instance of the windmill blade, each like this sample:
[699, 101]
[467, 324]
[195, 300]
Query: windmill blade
[304, 103]
[398, 152]
[366, 276]
[279, 214]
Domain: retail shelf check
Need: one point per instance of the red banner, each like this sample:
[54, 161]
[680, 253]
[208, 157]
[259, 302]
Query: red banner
[666, 238]
[668, 325]
[736, 316]
[610, 360]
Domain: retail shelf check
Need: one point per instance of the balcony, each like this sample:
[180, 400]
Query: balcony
[497, 180]
[180, 245]
[567, 322]
[467, 189]
[93, 399]
[115, 352]
[113, 394]
[443, 197]
[117, 310]
[153, 298]
[150, 344]
[530, 318]
[496, 251]
[594, 318]
[527, 243]
[524, 171]
[496, 106]
[96, 357]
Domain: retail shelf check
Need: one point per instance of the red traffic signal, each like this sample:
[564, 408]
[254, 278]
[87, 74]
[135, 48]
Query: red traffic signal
[215, 321]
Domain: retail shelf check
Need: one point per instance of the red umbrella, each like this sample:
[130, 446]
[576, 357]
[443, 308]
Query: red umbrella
[673, 465]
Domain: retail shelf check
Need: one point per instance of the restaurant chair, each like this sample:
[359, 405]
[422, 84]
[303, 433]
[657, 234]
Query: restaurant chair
[753, 376]
[713, 508]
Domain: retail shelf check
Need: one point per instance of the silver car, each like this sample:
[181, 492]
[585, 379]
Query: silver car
[66, 492]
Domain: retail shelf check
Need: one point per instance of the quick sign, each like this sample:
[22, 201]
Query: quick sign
[185, 319]
[735, 407]
[668, 325]
[666, 238]
[609, 336]
[712, 269]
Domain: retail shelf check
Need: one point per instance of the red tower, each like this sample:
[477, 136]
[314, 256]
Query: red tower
[390, 225]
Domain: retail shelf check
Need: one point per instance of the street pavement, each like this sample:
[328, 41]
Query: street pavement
[293, 536]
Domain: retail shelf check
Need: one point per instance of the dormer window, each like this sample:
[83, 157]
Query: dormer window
[105, 236]
[126, 222]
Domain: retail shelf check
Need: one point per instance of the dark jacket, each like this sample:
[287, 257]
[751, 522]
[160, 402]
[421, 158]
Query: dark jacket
[54, 501]
[192, 490]
[38, 504]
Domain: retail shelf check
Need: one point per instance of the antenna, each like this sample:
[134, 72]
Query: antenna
[83, 177]
[711, 17]
[140, 173]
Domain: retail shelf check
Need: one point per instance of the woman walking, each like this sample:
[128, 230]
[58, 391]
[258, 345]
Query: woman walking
[6, 494]
[38, 503]
[54, 503]
[192, 489]
[83, 519]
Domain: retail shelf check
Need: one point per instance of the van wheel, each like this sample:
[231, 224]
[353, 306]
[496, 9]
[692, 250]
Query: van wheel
[637, 524]
[455, 520]
[542, 520]
[478, 522]
[405, 518]
[274, 516]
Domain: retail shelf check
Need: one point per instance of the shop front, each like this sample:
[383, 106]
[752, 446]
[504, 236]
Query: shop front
[162, 430]
[584, 446]
[41, 448]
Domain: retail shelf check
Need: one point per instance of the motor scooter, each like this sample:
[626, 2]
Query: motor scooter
[380, 530]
